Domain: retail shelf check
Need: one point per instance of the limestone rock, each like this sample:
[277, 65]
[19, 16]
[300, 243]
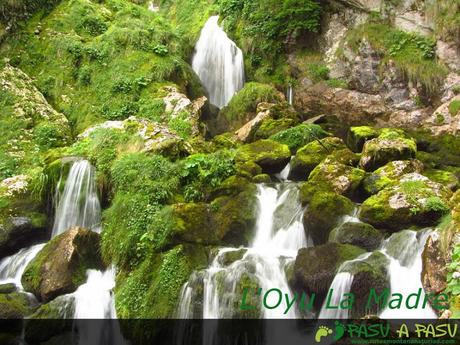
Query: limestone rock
[358, 234]
[60, 267]
[434, 275]
[271, 156]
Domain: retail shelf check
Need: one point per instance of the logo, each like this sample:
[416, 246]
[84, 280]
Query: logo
[324, 332]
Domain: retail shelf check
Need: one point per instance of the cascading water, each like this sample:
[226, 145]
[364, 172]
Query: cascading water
[340, 285]
[78, 205]
[290, 94]
[12, 267]
[404, 249]
[218, 62]
[279, 234]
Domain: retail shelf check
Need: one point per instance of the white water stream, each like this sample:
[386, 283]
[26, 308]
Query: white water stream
[78, 205]
[218, 62]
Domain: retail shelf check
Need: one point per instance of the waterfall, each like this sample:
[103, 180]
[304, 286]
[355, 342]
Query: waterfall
[404, 249]
[218, 62]
[290, 94]
[341, 285]
[12, 267]
[79, 204]
[279, 234]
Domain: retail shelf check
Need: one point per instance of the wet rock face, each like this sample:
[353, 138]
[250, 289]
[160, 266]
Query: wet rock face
[434, 275]
[358, 234]
[60, 267]
[19, 232]
[316, 267]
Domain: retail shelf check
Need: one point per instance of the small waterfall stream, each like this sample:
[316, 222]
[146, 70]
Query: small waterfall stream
[218, 62]
[278, 236]
[78, 205]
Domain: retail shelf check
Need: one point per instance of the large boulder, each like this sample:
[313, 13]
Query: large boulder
[368, 273]
[414, 201]
[357, 136]
[338, 177]
[270, 155]
[358, 234]
[324, 211]
[386, 148]
[15, 305]
[315, 267]
[389, 174]
[60, 267]
[310, 155]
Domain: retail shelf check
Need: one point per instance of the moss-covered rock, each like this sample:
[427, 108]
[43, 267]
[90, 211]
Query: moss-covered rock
[270, 127]
[299, 136]
[391, 145]
[414, 201]
[369, 273]
[358, 234]
[309, 156]
[57, 315]
[315, 267]
[15, 305]
[60, 267]
[262, 178]
[242, 107]
[22, 218]
[444, 177]
[389, 175]
[337, 177]
[7, 288]
[153, 289]
[323, 213]
[248, 169]
[357, 136]
[234, 217]
[270, 155]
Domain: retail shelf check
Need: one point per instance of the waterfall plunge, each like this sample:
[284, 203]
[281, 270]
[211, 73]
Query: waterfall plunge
[279, 235]
[218, 62]
[79, 204]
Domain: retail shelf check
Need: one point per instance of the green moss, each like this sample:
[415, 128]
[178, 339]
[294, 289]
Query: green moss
[413, 55]
[242, 107]
[357, 136]
[299, 136]
[454, 107]
[270, 155]
[443, 177]
[104, 48]
[14, 305]
[271, 126]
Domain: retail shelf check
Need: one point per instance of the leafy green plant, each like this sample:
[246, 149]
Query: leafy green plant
[201, 173]
[298, 136]
[161, 50]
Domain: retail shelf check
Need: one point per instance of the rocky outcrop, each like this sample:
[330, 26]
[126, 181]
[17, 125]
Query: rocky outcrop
[155, 137]
[445, 119]
[352, 107]
[60, 267]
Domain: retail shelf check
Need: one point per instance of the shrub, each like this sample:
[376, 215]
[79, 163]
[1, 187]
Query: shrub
[201, 173]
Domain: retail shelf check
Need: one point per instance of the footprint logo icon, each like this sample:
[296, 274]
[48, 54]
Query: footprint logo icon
[322, 332]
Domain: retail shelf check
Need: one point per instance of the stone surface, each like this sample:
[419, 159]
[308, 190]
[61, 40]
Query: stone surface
[60, 267]
[358, 234]
[434, 274]
[246, 132]
[271, 156]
